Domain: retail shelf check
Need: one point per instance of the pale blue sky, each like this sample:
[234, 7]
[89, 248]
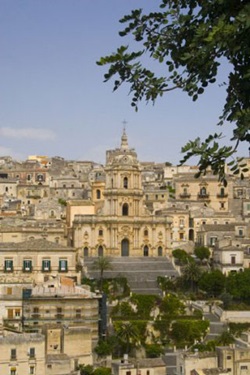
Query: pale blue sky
[52, 97]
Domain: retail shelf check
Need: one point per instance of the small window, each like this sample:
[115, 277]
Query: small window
[13, 353]
[32, 352]
[63, 265]
[240, 232]
[17, 313]
[125, 209]
[146, 232]
[229, 357]
[27, 265]
[203, 191]
[100, 232]
[46, 265]
[78, 313]
[9, 291]
[98, 194]
[32, 370]
[125, 182]
[243, 367]
[13, 371]
[8, 265]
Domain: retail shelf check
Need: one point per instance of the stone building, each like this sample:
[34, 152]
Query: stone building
[60, 302]
[20, 229]
[122, 225]
[37, 260]
[22, 354]
[145, 366]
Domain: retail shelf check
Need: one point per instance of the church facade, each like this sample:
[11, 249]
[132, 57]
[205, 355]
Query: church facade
[121, 225]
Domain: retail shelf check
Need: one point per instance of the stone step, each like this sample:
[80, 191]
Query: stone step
[141, 272]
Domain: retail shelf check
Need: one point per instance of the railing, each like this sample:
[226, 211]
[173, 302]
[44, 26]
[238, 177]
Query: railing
[203, 196]
[219, 195]
[185, 195]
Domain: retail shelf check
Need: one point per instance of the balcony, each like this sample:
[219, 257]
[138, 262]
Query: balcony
[219, 195]
[185, 195]
[35, 315]
[59, 316]
[203, 196]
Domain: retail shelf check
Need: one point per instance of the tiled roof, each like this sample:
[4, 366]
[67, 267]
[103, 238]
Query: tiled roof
[39, 244]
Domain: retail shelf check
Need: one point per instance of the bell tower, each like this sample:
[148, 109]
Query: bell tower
[123, 191]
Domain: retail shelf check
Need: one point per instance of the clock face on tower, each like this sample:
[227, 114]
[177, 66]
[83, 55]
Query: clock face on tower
[124, 160]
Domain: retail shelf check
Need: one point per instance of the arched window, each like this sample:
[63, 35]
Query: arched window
[146, 232]
[98, 194]
[85, 252]
[159, 251]
[100, 251]
[52, 213]
[125, 182]
[125, 209]
[222, 192]
[145, 251]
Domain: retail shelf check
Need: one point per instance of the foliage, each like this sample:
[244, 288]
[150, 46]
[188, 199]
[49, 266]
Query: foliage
[226, 298]
[102, 371]
[202, 252]
[106, 347]
[166, 284]
[153, 350]
[191, 275]
[162, 325]
[192, 38]
[128, 334]
[116, 288]
[144, 304]
[226, 338]
[171, 306]
[182, 256]
[102, 264]
[236, 329]
[86, 369]
[62, 201]
[212, 282]
[205, 347]
[237, 284]
[185, 332]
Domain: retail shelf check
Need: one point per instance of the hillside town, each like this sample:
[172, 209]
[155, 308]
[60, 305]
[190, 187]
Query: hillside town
[60, 220]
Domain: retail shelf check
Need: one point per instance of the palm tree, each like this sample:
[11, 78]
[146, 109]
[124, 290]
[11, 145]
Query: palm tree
[128, 334]
[102, 264]
[192, 274]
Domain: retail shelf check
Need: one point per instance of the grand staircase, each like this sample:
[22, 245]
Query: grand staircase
[141, 272]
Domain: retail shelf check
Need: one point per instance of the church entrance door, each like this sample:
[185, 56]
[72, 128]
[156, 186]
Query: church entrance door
[125, 248]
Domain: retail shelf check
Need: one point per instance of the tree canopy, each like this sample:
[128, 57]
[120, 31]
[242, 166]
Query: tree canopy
[192, 38]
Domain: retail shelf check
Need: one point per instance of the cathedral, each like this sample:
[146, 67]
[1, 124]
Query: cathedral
[119, 224]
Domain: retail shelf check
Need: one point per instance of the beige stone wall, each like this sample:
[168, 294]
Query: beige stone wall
[23, 362]
[78, 345]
